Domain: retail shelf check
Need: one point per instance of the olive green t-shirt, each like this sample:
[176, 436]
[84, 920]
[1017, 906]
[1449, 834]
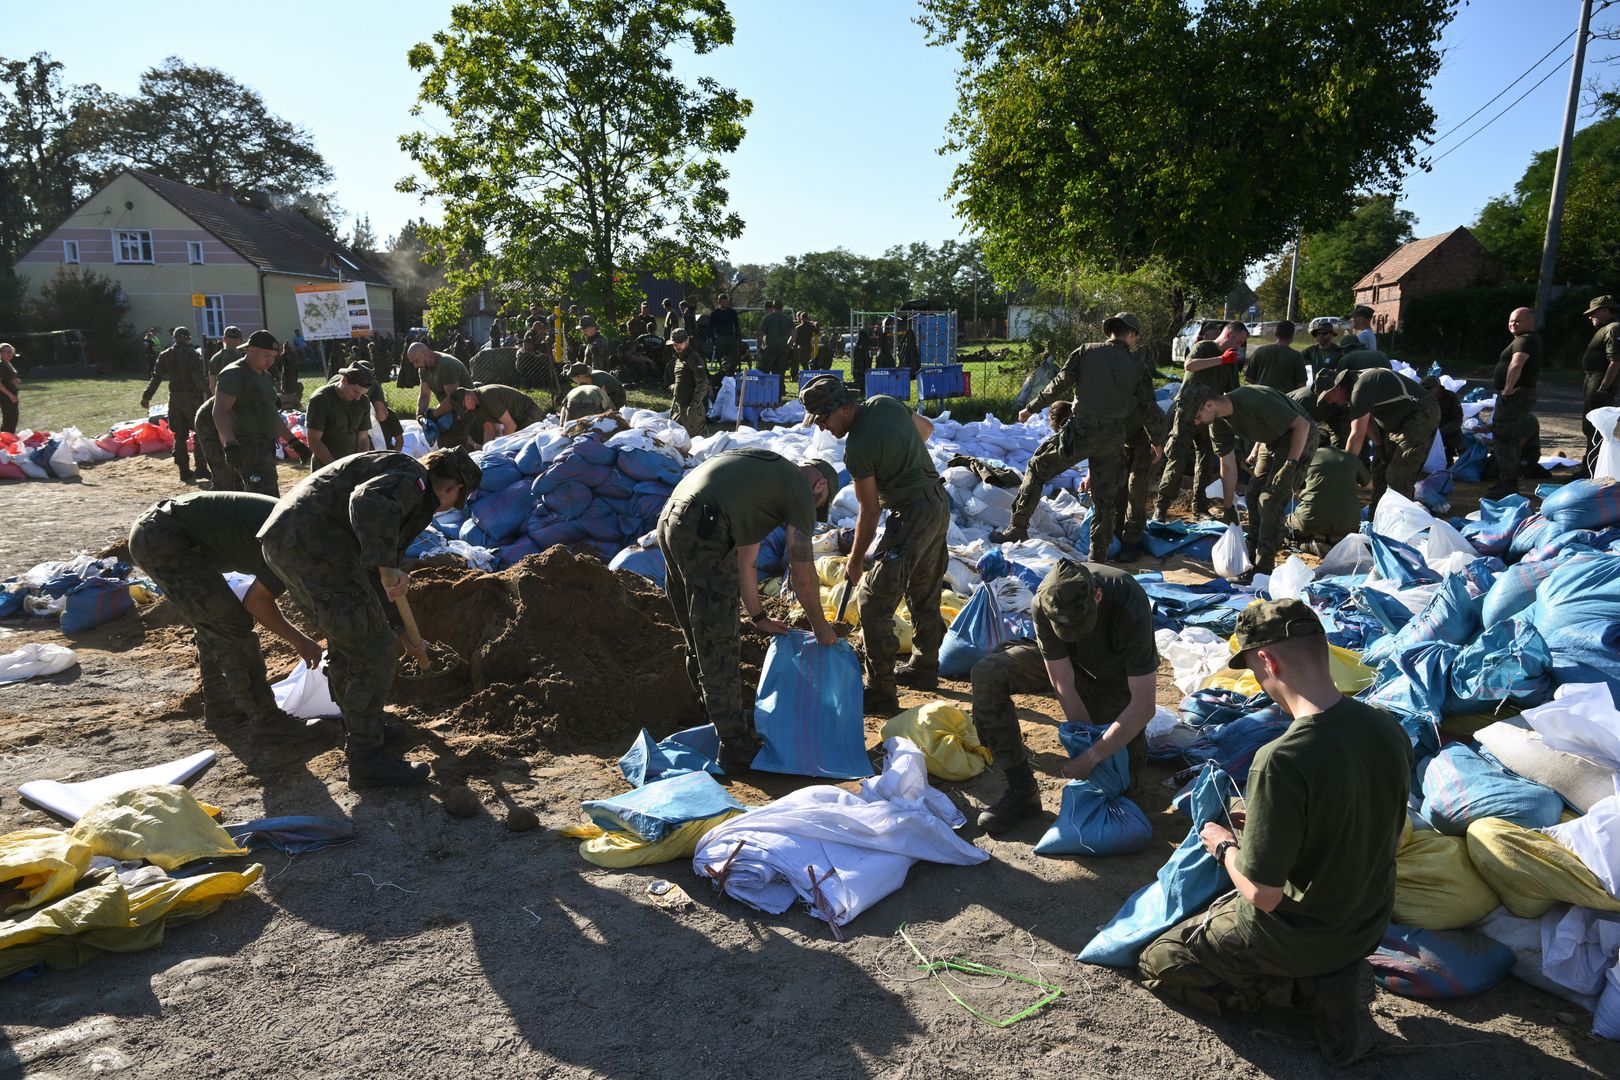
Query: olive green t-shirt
[755, 490]
[226, 526]
[1278, 366]
[1322, 358]
[1326, 805]
[1223, 377]
[883, 443]
[8, 376]
[1107, 378]
[1120, 643]
[1525, 343]
[446, 372]
[1389, 396]
[610, 386]
[1330, 503]
[774, 330]
[495, 400]
[227, 356]
[1365, 360]
[338, 421]
[255, 410]
[1259, 415]
[1603, 349]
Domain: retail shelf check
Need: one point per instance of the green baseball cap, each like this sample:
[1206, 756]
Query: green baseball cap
[1600, 302]
[1267, 622]
[1118, 324]
[824, 395]
[1067, 600]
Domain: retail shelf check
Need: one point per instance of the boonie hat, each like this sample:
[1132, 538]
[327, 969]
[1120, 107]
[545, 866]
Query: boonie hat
[1350, 342]
[824, 395]
[1270, 621]
[359, 374]
[1067, 600]
[829, 474]
[677, 336]
[182, 332]
[1604, 301]
[1342, 377]
[263, 339]
[1319, 325]
[1117, 324]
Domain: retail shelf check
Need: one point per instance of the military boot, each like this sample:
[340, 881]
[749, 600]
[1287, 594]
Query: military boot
[1012, 534]
[1161, 510]
[737, 751]
[910, 675]
[1345, 1031]
[1020, 802]
[281, 725]
[372, 766]
[876, 701]
[1128, 552]
[186, 476]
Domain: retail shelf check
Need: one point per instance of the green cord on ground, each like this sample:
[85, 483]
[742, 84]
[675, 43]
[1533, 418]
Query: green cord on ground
[970, 967]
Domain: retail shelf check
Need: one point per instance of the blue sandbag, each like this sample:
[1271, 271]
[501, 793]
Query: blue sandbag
[772, 557]
[1480, 575]
[649, 465]
[1536, 532]
[570, 468]
[95, 601]
[567, 500]
[515, 551]
[809, 709]
[502, 514]
[293, 835]
[1399, 562]
[1161, 539]
[11, 598]
[1387, 611]
[1213, 705]
[593, 450]
[1498, 520]
[652, 487]
[1515, 588]
[530, 458]
[500, 471]
[1415, 682]
[615, 486]
[648, 507]
[1586, 652]
[1558, 543]
[1584, 587]
[975, 633]
[474, 534]
[1460, 787]
[1452, 615]
[601, 523]
[1185, 884]
[449, 521]
[604, 549]
[659, 808]
[1584, 504]
[1470, 464]
[1096, 818]
[1508, 662]
[1437, 965]
[547, 531]
[1233, 746]
[1434, 491]
[615, 504]
[648, 562]
[693, 750]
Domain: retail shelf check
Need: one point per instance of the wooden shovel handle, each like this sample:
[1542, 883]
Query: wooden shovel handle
[413, 636]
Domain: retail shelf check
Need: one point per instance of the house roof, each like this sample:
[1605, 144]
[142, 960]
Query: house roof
[269, 238]
[1404, 259]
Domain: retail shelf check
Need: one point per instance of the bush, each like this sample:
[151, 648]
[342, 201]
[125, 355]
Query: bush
[1471, 324]
[84, 300]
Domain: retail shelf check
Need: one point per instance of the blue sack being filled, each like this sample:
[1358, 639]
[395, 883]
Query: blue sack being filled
[659, 808]
[1460, 787]
[772, 557]
[1185, 884]
[1498, 521]
[95, 601]
[1510, 662]
[1232, 746]
[809, 709]
[1470, 464]
[693, 750]
[648, 562]
[1437, 965]
[1096, 818]
[1400, 563]
[975, 633]
[1584, 504]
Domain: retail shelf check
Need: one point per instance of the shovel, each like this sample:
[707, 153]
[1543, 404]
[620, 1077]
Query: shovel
[442, 659]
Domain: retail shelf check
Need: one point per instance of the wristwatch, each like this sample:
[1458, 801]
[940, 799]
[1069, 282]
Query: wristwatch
[1221, 849]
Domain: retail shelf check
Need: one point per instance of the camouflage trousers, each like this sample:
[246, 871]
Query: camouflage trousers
[182, 419]
[1509, 432]
[228, 655]
[700, 578]
[1189, 444]
[1398, 462]
[258, 472]
[693, 415]
[1016, 667]
[1269, 496]
[1208, 963]
[224, 477]
[1081, 438]
[1141, 479]
[343, 599]
[908, 564]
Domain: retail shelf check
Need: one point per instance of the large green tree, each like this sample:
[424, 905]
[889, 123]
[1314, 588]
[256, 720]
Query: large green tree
[1203, 135]
[1332, 261]
[830, 284]
[1513, 226]
[573, 145]
[43, 174]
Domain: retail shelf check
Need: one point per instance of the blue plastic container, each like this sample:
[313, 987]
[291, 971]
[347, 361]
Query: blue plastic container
[896, 382]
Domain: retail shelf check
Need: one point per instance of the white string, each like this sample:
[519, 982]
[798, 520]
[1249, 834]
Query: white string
[375, 884]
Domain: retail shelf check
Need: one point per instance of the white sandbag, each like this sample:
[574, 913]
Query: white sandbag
[1579, 946]
[306, 693]
[1436, 461]
[1605, 420]
[1442, 542]
[34, 660]
[1594, 837]
[1289, 582]
[1231, 555]
[1350, 556]
[1399, 518]
[1195, 654]
[1523, 936]
[84, 449]
[1580, 719]
[960, 477]
[1580, 782]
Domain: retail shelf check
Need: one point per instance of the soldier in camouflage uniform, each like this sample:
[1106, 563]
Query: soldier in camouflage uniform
[183, 366]
[221, 476]
[593, 349]
[1113, 398]
[494, 410]
[690, 406]
[248, 419]
[186, 545]
[584, 375]
[709, 533]
[337, 540]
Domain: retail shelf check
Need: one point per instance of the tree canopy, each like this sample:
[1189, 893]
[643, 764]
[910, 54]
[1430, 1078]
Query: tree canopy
[1107, 133]
[573, 146]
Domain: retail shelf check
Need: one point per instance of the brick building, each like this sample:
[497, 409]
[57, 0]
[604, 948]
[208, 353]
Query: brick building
[1453, 260]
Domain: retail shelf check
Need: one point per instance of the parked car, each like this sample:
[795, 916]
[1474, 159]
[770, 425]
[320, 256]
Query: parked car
[1194, 331]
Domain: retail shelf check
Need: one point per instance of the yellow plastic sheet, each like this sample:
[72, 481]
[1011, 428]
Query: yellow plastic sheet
[947, 738]
[1350, 675]
[160, 823]
[1436, 885]
[619, 850]
[42, 864]
[1531, 871]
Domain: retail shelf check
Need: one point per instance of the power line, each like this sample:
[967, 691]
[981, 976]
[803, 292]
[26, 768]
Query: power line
[1454, 128]
[1432, 163]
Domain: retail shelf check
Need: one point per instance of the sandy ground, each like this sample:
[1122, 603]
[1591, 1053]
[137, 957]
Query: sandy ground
[435, 946]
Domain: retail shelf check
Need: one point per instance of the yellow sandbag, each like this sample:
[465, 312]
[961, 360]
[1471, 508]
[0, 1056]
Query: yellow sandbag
[1350, 675]
[946, 736]
[624, 849]
[1531, 871]
[42, 864]
[160, 823]
[179, 900]
[830, 569]
[1436, 886]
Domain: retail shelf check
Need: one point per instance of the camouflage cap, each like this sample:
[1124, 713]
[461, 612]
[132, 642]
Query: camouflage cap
[677, 337]
[1118, 324]
[1600, 302]
[182, 332]
[829, 474]
[1267, 622]
[1067, 600]
[262, 339]
[824, 395]
[1194, 394]
[576, 370]
[359, 374]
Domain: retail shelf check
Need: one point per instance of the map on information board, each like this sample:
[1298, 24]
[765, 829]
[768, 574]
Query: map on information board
[337, 309]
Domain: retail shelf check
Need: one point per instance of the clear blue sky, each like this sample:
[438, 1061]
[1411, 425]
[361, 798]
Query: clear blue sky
[849, 106]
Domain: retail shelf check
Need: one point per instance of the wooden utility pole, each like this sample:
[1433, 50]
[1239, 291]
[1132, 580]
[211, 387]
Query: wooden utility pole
[1555, 210]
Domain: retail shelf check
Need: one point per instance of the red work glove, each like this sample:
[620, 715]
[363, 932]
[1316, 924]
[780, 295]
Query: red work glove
[1230, 356]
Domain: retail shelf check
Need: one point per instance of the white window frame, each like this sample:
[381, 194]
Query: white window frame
[70, 253]
[142, 241]
[194, 252]
[213, 313]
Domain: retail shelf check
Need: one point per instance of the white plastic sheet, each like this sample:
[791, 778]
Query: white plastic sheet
[1442, 542]
[1595, 838]
[1399, 518]
[1578, 947]
[306, 693]
[34, 660]
[1289, 582]
[1606, 420]
[1580, 719]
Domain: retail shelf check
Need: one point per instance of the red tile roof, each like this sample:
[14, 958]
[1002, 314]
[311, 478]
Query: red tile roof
[1403, 259]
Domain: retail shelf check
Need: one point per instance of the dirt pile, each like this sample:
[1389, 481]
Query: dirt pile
[562, 653]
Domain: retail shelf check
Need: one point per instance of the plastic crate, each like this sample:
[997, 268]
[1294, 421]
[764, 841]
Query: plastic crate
[947, 381]
[760, 388]
[896, 382]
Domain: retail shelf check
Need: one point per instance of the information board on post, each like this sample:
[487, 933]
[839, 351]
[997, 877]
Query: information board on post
[335, 310]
